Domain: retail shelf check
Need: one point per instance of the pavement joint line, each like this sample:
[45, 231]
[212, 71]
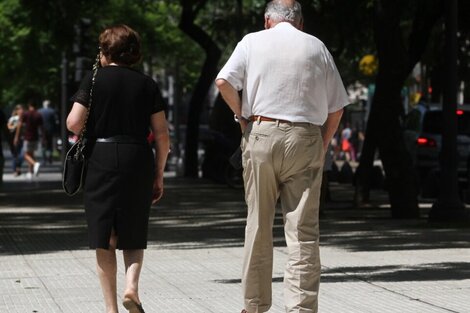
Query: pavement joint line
[406, 296]
[375, 285]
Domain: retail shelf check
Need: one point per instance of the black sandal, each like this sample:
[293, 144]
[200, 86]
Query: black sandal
[132, 306]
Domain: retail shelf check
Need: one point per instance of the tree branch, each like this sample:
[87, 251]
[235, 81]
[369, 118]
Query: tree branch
[427, 14]
[195, 32]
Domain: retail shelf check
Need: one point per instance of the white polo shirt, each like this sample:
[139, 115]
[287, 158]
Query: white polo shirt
[285, 74]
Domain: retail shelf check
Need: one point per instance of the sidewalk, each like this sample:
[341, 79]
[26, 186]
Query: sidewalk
[370, 263]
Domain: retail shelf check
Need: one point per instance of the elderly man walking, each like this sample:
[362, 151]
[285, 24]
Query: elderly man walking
[290, 108]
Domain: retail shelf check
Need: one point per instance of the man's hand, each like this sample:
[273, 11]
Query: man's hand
[330, 127]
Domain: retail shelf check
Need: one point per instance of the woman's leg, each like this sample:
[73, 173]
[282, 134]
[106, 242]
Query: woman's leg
[133, 262]
[106, 267]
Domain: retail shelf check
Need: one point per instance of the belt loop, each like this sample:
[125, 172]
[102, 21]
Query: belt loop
[258, 119]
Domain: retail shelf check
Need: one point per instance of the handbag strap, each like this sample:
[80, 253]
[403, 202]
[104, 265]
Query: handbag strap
[81, 144]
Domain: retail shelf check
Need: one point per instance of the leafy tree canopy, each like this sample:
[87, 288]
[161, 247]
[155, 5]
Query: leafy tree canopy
[34, 35]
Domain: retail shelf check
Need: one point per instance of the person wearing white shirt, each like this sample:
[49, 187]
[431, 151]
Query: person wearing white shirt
[290, 108]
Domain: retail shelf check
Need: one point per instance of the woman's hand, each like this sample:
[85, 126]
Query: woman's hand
[157, 188]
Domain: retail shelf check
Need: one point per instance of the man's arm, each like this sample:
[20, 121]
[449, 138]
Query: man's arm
[329, 128]
[232, 98]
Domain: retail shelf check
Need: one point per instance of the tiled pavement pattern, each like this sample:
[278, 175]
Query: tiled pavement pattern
[371, 263]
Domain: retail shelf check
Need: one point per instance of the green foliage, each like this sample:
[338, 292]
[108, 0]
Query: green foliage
[346, 27]
[32, 38]
[172, 51]
[14, 34]
[35, 33]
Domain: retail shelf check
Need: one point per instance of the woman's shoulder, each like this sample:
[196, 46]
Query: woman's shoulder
[134, 73]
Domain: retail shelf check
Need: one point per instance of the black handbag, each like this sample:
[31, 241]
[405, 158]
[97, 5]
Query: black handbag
[73, 175]
[74, 169]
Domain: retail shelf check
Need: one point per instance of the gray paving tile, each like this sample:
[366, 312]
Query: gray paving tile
[370, 263]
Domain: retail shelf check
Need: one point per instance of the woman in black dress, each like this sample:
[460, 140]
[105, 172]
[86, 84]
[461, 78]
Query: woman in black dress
[123, 176]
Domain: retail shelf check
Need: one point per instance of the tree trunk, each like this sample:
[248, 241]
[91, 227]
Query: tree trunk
[208, 73]
[396, 160]
[384, 126]
[448, 206]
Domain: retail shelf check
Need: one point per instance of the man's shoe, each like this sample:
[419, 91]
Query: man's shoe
[36, 168]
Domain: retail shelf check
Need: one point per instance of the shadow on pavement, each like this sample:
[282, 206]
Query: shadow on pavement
[200, 214]
[423, 272]
[355, 233]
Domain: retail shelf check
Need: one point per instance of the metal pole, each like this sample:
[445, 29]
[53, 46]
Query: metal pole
[448, 206]
[63, 107]
[176, 117]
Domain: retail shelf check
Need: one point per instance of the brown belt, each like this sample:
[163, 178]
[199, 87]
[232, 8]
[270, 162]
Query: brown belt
[254, 118]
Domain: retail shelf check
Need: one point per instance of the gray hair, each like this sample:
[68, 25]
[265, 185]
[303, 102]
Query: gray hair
[282, 11]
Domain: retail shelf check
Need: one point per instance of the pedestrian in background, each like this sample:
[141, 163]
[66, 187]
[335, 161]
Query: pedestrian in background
[291, 105]
[32, 122]
[346, 145]
[50, 121]
[13, 122]
[4, 135]
[123, 177]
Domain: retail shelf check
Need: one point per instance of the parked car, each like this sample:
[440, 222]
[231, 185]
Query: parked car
[428, 143]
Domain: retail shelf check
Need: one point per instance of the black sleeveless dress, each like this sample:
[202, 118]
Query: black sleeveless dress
[119, 179]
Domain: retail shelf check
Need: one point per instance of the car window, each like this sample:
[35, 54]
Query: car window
[432, 122]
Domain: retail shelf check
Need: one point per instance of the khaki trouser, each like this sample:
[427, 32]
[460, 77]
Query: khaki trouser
[282, 160]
